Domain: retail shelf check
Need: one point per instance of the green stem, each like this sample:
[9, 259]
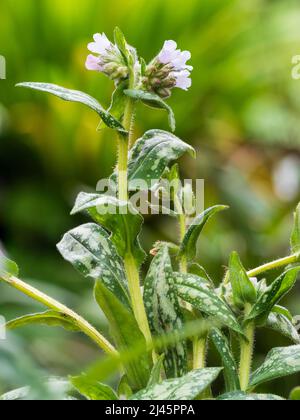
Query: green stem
[182, 230]
[52, 304]
[199, 353]
[247, 348]
[282, 262]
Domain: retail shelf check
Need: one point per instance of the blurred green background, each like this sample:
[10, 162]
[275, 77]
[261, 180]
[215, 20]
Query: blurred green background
[242, 115]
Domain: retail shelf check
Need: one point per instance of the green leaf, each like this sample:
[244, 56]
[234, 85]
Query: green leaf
[49, 318]
[198, 293]
[242, 396]
[279, 363]
[126, 333]
[273, 294]
[92, 390]
[164, 312]
[118, 104]
[242, 288]
[155, 377]
[295, 394]
[92, 253]
[124, 390]
[295, 238]
[118, 217]
[230, 368]
[154, 101]
[284, 326]
[189, 244]
[200, 271]
[16, 395]
[80, 97]
[152, 154]
[283, 311]
[8, 267]
[120, 42]
[181, 389]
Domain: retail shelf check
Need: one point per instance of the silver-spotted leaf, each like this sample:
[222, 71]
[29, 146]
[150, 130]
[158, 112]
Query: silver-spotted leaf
[8, 267]
[230, 368]
[189, 243]
[284, 326]
[126, 333]
[295, 238]
[242, 396]
[198, 293]
[118, 217]
[152, 154]
[164, 312]
[77, 96]
[186, 388]
[93, 390]
[279, 363]
[90, 250]
[154, 101]
[242, 288]
[49, 318]
[273, 294]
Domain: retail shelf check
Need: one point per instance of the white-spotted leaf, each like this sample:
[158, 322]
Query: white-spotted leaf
[281, 324]
[242, 396]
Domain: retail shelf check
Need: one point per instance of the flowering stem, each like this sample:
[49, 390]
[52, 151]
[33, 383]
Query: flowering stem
[282, 262]
[247, 348]
[52, 304]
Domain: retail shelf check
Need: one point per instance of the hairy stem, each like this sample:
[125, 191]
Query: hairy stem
[247, 348]
[282, 262]
[52, 304]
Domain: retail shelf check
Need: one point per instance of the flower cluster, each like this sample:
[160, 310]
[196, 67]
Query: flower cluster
[166, 71]
[108, 60]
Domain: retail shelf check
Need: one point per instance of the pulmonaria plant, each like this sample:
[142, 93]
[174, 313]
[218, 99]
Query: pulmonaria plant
[160, 333]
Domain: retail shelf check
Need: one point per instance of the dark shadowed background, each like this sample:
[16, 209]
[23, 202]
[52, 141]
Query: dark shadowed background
[242, 116]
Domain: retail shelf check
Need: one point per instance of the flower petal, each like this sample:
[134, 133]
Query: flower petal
[92, 63]
[100, 45]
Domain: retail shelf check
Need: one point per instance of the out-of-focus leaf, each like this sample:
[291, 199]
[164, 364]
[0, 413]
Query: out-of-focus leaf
[189, 243]
[94, 391]
[194, 290]
[242, 396]
[92, 253]
[242, 288]
[126, 333]
[181, 389]
[163, 310]
[230, 368]
[16, 394]
[49, 318]
[118, 217]
[280, 362]
[295, 238]
[284, 326]
[8, 267]
[154, 101]
[155, 377]
[277, 290]
[77, 96]
[295, 394]
[124, 390]
[152, 154]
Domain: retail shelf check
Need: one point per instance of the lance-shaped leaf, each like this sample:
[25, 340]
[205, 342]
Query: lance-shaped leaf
[279, 363]
[185, 388]
[273, 294]
[242, 288]
[8, 267]
[242, 396]
[118, 217]
[164, 311]
[283, 325]
[77, 96]
[126, 333]
[295, 238]
[155, 377]
[230, 368]
[199, 294]
[49, 318]
[152, 154]
[118, 104]
[154, 101]
[93, 390]
[189, 243]
[92, 253]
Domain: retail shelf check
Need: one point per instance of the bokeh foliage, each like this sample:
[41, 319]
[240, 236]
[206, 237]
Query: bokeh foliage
[242, 116]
